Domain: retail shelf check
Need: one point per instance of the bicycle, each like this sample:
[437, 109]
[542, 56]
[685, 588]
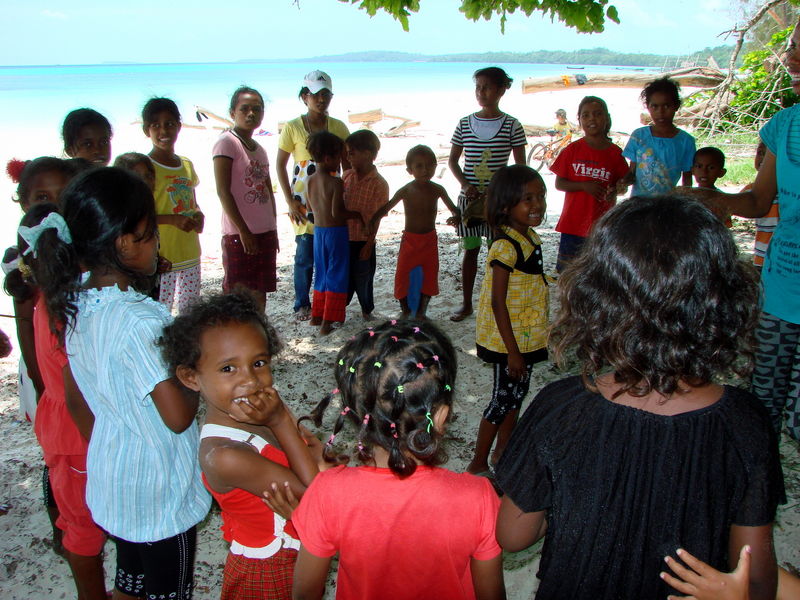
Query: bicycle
[545, 153]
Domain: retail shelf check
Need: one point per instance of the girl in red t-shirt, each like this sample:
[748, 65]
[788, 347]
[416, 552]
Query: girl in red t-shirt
[589, 171]
[221, 347]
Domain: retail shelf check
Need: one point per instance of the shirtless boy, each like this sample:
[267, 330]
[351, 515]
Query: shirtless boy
[419, 244]
[331, 243]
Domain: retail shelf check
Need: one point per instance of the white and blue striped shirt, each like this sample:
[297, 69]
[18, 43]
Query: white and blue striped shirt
[143, 479]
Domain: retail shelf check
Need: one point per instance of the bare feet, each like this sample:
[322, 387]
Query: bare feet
[367, 316]
[303, 313]
[461, 314]
[315, 321]
[327, 327]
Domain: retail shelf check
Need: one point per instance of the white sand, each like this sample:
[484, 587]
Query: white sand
[303, 372]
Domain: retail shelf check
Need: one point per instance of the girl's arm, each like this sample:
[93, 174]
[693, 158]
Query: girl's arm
[176, 405]
[27, 343]
[182, 222]
[516, 364]
[452, 162]
[763, 566]
[282, 169]
[80, 412]
[518, 152]
[487, 578]
[593, 188]
[222, 175]
[517, 530]
[310, 573]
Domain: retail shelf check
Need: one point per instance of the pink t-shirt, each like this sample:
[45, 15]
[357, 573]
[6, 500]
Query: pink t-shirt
[399, 538]
[250, 185]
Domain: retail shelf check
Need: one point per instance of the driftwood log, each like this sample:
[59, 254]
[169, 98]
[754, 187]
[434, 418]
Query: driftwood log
[699, 77]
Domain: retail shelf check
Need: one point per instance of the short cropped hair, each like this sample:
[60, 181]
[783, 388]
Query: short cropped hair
[364, 139]
[419, 150]
[713, 153]
[324, 143]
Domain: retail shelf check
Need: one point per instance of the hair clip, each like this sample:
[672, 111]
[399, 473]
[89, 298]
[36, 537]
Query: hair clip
[420, 365]
[351, 369]
[393, 321]
[436, 357]
[334, 391]
[447, 387]
[341, 362]
[365, 422]
[51, 221]
[378, 364]
[371, 333]
[400, 389]
[393, 427]
[360, 446]
[430, 421]
[345, 410]
[330, 440]
[416, 329]
[394, 337]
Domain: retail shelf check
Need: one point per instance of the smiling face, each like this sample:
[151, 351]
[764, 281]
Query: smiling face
[706, 170]
[792, 59]
[662, 109]
[248, 113]
[593, 119]
[530, 210]
[234, 364]
[45, 187]
[92, 143]
[163, 131]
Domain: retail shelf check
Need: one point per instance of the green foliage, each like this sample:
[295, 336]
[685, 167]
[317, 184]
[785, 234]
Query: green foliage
[752, 92]
[586, 16]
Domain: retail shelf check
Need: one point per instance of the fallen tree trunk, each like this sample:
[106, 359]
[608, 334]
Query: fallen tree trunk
[701, 77]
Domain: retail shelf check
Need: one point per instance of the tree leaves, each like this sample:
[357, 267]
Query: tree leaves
[586, 16]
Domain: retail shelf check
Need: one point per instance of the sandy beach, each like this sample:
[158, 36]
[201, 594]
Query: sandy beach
[303, 372]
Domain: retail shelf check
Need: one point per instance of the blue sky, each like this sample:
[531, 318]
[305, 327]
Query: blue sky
[95, 31]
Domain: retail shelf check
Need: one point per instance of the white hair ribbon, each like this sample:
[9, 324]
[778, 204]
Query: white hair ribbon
[51, 221]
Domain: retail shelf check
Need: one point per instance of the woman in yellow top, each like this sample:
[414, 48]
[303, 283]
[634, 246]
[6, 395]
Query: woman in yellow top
[316, 94]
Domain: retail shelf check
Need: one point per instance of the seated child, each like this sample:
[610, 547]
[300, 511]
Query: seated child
[562, 127]
[331, 259]
[419, 245]
[221, 347]
[708, 165]
[365, 191]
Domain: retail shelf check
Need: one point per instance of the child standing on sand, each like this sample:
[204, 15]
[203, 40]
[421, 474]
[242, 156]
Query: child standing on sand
[179, 218]
[511, 333]
[660, 153]
[365, 191]
[420, 244]
[222, 348]
[588, 171]
[331, 251]
[249, 224]
[403, 527]
[143, 440]
[486, 138]
[87, 134]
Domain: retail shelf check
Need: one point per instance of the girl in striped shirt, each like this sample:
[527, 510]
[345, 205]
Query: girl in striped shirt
[486, 139]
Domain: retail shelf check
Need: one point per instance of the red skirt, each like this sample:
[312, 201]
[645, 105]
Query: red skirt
[259, 578]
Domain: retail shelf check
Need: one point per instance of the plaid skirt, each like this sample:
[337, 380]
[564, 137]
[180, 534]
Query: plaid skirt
[259, 578]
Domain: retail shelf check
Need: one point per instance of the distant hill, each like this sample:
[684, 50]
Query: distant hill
[592, 56]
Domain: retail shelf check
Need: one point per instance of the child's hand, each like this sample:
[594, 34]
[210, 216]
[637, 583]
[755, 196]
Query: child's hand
[470, 191]
[183, 222]
[164, 265]
[366, 251]
[265, 407]
[703, 582]
[249, 243]
[5, 345]
[296, 212]
[281, 500]
[454, 220]
[199, 221]
[596, 189]
[516, 366]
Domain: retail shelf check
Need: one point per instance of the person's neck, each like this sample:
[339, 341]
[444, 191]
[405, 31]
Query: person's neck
[165, 157]
[381, 457]
[489, 112]
[597, 141]
[107, 278]
[521, 228]
[364, 170]
[246, 134]
[666, 131]
[686, 398]
[316, 120]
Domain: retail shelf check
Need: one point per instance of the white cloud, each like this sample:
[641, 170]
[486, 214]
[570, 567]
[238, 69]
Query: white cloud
[53, 14]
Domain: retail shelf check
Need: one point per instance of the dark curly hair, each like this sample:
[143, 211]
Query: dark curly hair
[505, 192]
[324, 143]
[391, 380]
[665, 85]
[659, 295]
[180, 341]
